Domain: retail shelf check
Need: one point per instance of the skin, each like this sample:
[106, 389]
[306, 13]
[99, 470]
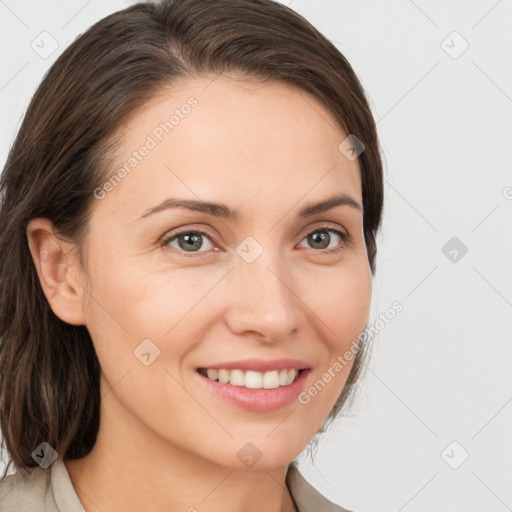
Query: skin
[164, 442]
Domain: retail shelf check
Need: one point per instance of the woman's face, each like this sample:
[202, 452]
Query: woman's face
[269, 284]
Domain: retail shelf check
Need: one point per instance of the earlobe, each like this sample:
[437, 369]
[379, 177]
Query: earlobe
[57, 268]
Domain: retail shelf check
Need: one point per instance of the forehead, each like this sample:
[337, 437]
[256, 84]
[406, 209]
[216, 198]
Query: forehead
[234, 141]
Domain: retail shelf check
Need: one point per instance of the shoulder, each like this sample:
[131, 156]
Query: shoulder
[41, 490]
[22, 492]
[306, 496]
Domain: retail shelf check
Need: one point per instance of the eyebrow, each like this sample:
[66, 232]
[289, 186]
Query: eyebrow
[224, 211]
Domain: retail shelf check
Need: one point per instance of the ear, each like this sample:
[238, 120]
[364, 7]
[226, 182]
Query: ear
[58, 269]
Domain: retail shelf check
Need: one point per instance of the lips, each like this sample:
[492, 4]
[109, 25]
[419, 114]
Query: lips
[256, 400]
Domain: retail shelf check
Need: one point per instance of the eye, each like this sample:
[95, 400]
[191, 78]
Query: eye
[189, 241]
[321, 239]
[192, 241]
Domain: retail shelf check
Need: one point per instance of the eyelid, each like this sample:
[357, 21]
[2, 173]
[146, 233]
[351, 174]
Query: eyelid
[325, 225]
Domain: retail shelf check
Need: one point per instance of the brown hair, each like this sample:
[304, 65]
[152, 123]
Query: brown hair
[49, 371]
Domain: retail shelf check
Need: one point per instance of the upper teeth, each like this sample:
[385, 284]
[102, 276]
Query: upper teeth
[252, 379]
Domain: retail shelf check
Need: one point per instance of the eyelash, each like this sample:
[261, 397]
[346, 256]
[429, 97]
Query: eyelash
[344, 237]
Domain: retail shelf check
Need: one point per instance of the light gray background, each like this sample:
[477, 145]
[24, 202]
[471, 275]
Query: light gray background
[440, 371]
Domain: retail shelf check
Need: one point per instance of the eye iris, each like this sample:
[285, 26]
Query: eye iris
[192, 241]
[320, 237]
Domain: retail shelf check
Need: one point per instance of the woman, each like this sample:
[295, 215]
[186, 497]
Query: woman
[187, 246]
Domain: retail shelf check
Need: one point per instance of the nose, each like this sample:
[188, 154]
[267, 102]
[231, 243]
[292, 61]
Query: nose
[262, 301]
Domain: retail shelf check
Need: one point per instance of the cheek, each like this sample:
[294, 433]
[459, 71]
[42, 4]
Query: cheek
[134, 303]
[341, 299]
[341, 305]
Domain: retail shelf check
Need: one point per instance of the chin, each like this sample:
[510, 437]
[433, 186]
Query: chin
[260, 453]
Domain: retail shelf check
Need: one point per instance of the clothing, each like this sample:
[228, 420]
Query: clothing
[51, 490]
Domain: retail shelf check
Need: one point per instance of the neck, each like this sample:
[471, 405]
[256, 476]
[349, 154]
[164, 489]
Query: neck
[132, 468]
